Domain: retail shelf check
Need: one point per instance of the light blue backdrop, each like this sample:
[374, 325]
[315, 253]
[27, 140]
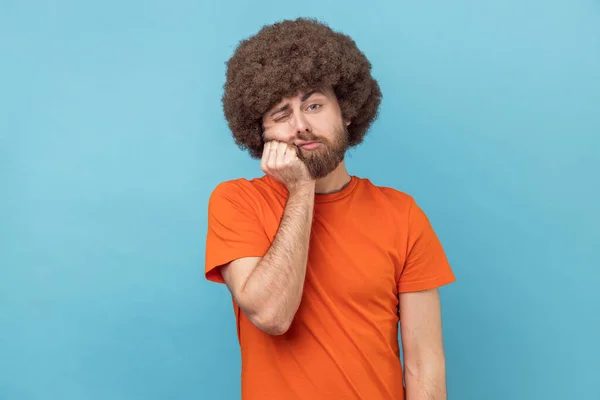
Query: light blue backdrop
[112, 137]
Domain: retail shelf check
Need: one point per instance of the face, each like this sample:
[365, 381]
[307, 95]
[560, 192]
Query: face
[312, 121]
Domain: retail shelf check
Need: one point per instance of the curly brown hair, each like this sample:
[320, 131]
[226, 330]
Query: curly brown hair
[290, 56]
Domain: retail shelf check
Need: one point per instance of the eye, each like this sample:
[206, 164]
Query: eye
[280, 118]
[314, 107]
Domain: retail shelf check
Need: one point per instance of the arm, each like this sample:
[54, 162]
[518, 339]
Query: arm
[422, 344]
[269, 289]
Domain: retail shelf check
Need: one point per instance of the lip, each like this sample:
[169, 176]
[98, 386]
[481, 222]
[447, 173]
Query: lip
[308, 145]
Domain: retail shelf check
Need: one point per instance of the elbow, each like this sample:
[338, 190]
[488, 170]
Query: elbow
[271, 324]
[268, 320]
[275, 329]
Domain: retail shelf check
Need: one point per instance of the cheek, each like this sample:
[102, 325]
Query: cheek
[278, 133]
[328, 131]
[327, 123]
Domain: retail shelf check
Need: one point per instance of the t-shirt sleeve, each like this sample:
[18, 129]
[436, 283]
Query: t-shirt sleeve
[426, 265]
[234, 229]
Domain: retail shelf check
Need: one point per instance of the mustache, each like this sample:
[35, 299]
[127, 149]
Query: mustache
[304, 136]
[308, 137]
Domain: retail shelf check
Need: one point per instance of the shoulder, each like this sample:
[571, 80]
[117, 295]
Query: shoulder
[241, 191]
[395, 199]
[238, 187]
[230, 189]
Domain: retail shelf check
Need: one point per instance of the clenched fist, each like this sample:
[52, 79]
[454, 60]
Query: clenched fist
[280, 160]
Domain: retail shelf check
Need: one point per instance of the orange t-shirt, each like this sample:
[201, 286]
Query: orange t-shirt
[368, 244]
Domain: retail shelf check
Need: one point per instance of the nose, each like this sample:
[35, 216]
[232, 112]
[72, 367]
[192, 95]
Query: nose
[301, 123]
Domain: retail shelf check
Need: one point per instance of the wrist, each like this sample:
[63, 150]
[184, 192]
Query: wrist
[305, 187]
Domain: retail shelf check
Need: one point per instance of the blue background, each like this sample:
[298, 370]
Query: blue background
[112, 138]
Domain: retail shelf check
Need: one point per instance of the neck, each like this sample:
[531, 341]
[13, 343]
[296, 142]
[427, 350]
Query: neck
[335, 181]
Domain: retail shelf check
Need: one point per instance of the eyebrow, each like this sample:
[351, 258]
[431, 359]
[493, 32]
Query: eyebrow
[307, 95]
[280, 109]
[304, 97]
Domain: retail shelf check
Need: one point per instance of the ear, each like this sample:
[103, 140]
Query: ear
[348, 123]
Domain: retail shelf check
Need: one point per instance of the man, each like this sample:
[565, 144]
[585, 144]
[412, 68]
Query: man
[322, 266]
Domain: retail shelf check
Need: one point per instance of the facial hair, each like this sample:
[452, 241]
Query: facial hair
[322, 160]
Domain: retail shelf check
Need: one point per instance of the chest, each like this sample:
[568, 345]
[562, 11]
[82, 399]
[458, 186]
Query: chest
[353, 256]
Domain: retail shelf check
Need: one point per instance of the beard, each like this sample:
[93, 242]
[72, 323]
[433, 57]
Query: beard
[321, 161]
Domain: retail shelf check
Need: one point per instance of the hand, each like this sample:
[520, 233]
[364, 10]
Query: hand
[280, 160]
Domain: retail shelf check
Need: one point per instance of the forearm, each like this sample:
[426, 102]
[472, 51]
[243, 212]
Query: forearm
[426, 380]
[274, 288]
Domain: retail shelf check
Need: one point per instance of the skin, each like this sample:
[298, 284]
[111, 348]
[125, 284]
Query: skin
[317, 112]
[422, 344]
[269, 289]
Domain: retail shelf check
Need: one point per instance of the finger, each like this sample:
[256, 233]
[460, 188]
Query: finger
[290, 153]
[267, 153]
[265, 156]
[272, 156]
[281, 151]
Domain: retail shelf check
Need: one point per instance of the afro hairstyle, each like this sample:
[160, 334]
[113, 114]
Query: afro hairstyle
[290, 56]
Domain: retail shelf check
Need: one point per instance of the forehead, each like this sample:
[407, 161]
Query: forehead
[303, 95]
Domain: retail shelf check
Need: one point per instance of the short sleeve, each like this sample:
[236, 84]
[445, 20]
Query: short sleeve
[426, 265]
[234, 229]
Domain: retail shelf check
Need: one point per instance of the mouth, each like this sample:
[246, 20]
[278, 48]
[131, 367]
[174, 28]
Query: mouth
[309, 145]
